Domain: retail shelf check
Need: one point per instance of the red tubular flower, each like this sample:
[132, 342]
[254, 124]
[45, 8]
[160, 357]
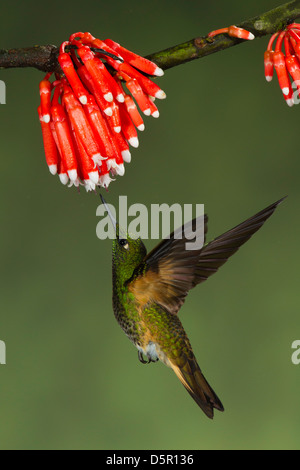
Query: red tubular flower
[45, 94]
[95, 69]
[234, 32]
[133, 112]
[72, 77]
[90, 121]
[128, 127]
[64, 137]
[127, 72]
[139, 96]
[62, 173]
[87, 80]
[100, 127]
[114, 120]
[269, 65]
[285, 59]
[139, 62]
[51, 151]
[268, 59]
[123, 147]
[81, 126]
[153, 108]
[281, 70]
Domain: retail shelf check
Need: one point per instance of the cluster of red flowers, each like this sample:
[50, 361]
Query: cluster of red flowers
[285, 61]
[88, 120]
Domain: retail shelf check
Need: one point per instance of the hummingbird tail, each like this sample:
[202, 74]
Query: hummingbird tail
[195, 383]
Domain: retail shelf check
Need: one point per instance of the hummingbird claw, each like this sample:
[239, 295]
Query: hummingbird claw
[141, 358]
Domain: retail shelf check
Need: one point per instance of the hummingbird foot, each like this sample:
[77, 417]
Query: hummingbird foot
[142, 360]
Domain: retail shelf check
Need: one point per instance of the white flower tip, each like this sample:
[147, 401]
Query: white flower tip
[159, 72]
[141, 127]
[251, 37]
[97, 159]
[117, 129]
[63, 178]
[269, 78]
[147, 112]
[75, 183]
[160, 94]
[89, 185]
[105, 180]
[155, 114]
[108, 111]
[111, 163]
[120, 98]
[120, 169]
[53, 169]
[94, 177]
[108, 97]
[73, 175]
[46, 118]
[285, 91]
[126, 155]
[83, 99]
[290, 102]
[134, 142]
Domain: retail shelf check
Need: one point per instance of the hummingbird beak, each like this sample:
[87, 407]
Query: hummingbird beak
[113, 220]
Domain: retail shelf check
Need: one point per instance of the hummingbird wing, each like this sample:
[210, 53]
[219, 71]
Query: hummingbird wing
[169, 271]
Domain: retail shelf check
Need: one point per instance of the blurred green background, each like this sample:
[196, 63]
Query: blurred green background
[226, 139]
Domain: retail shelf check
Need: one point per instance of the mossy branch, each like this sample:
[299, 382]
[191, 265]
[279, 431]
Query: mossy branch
[44, 58]
[261, 25]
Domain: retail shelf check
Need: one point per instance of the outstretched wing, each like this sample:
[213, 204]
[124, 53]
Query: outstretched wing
[169, 271]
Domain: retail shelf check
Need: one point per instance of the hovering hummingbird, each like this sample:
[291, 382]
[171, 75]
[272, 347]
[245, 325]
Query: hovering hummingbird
[149, 289]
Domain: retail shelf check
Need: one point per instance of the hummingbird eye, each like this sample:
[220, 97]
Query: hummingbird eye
[124, 243]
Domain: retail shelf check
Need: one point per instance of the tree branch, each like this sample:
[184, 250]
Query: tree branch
[44, 58]
[261, 25]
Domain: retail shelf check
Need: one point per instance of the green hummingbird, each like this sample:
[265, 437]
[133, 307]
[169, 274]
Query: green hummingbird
[149, 289]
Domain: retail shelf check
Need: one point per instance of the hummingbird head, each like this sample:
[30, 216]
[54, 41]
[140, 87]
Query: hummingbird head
[128, 251]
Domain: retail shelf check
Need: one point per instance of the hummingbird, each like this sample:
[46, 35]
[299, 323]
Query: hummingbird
[149, 289]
